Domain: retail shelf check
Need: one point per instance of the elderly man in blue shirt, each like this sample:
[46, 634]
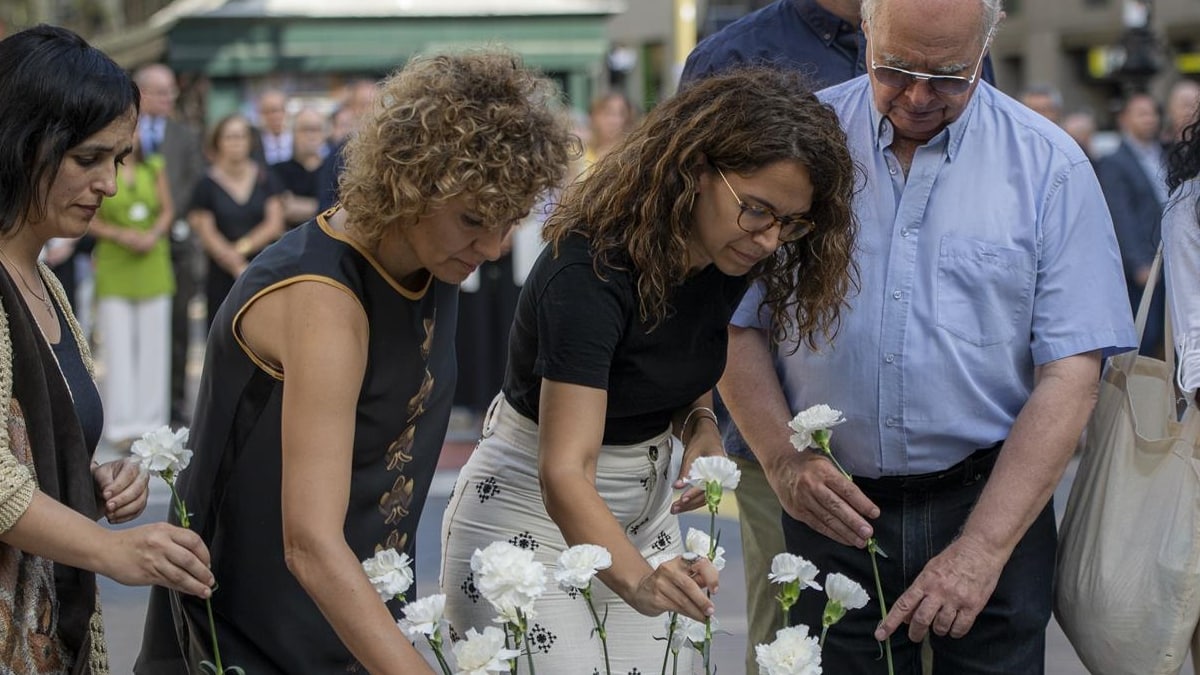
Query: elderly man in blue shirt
[991, 286]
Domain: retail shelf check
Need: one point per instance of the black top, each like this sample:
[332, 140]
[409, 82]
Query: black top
[235, 219]
[266, 622]
[573, 327]
[83, 389]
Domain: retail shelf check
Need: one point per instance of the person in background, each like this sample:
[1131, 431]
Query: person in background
[1081, 126]
[610, 118]
[1182, 102]
[1181, 251]
[823, 40]
[273, 138]
[966, 366]
[1045, 100]
[360, 96]
[619, 338]
[133, 291]
[235, 210]
[161, 134]
[77, 109]
[298, 175]
[296, 480]
[1133, 178]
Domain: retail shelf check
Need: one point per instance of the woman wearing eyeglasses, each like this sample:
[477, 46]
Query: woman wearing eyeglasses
[619, 338]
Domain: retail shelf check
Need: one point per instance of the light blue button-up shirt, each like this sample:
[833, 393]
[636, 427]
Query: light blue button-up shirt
[994, 255]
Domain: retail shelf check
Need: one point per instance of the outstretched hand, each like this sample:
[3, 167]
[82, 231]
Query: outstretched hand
[678, 585]
[162, 555]
[949, 593]
[813, 491]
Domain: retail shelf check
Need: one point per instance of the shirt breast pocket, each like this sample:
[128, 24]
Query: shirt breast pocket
[983, 290]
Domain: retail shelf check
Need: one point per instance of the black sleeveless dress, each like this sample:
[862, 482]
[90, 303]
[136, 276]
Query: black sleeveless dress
[266, 622]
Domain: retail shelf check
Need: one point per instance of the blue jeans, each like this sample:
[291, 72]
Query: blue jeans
[919, 518]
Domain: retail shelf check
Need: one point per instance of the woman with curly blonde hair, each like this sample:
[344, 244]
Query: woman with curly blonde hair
[620, 336]
[329, 370]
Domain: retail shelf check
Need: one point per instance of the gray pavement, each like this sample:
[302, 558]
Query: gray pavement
[124, 607]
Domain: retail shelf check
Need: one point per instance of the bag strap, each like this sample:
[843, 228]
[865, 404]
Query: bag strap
[1143, 315]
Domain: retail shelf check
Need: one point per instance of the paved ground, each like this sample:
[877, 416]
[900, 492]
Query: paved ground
[124, 608]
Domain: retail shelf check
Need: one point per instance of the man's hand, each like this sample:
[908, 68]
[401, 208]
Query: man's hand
[814, 492]
[949, 593]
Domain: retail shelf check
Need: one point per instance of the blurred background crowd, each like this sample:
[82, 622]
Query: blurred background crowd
[246, 104]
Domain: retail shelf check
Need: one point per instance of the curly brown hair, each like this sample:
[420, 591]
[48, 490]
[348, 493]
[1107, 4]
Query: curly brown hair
[476, 124]
[635, 204]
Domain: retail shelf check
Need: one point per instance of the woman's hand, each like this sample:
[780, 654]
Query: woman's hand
[677, 585]
[704, 443]
[123, 487]
[159, 554]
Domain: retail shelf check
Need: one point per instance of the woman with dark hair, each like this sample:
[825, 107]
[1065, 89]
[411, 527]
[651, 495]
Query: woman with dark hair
[330, 369]
[67, 115]
[1181, 248]
[236, 208]
[620, 336]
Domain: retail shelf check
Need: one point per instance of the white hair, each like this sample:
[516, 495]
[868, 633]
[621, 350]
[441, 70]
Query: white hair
[992, 10]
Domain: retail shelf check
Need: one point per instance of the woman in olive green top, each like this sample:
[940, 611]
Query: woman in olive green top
[134, 284]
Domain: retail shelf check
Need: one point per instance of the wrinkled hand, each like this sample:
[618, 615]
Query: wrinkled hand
[123, 487]
[948, 594]
[693, 497]
[813, 491]
[162, 555]
[677, 586]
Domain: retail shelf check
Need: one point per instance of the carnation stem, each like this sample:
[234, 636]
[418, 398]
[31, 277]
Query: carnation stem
[883, 611]
[824, 631]
[587, 595]
[212, 627]
[670, 634]
[524, 634]
[435, 643]
[822, 439]
[707, 651]
[182, 513]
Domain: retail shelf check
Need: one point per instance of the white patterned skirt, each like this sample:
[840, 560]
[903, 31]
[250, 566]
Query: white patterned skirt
[497, 498]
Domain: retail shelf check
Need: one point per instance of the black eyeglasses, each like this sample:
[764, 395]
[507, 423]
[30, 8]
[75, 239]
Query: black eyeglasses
[950, 85]
[754, 219]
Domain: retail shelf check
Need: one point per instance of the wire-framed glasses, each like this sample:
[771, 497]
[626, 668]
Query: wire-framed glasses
[755, 219]
[950, 85]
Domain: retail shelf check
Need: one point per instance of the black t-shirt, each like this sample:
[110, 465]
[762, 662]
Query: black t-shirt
[295, 178]
[574, 327]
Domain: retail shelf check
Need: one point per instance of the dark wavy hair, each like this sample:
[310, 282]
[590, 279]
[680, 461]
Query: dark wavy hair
[56, 90]
[1183, 163]
[635, 204]
[477, 124]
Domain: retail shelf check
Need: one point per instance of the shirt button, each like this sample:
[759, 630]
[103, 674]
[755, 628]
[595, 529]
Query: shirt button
[892, 171]
[891, 421]
[897, 294]
[890, 358]
[904, 232]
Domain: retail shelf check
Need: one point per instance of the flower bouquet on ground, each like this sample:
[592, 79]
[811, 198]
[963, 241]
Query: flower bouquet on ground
[162, 453]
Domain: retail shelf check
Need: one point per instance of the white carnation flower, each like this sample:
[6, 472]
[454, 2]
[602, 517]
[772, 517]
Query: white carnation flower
[817, 418]
[793, 652]
[508, 577]
[720, 470]
[578, 564]
[161, 451]
[786, 568]
[844, 591]
[390, 573]
[698, 542]
[424, 617]
[482, 653]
